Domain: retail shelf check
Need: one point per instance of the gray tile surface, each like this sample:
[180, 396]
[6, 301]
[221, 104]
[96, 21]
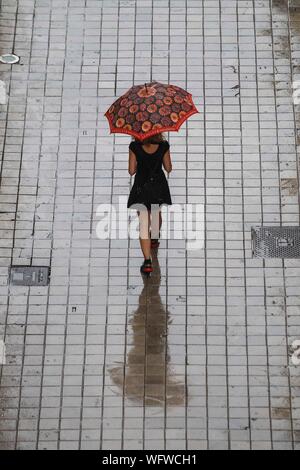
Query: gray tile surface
[198, 357]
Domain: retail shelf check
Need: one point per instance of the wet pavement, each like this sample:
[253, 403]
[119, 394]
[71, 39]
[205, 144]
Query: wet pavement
[199, 355]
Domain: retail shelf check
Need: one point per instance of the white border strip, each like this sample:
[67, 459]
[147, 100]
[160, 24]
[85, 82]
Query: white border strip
[2, 352]
[2, 92]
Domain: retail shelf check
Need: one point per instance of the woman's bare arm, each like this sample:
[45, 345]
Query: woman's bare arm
[131, 163]
[167, 164]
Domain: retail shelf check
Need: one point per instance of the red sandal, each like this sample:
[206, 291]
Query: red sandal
[147, 267]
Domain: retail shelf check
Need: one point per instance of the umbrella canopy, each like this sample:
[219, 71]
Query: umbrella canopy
[146, 110]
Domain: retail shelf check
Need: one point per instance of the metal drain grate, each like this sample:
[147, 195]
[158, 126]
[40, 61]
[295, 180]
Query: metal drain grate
[276, 242]
[29, 275]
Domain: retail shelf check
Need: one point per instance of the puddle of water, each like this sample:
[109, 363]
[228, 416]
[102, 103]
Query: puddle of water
[289, 186]
[149, 379]
[281, 413]
[294, 14]
[284, 45]
[264, 32]
[280, 5]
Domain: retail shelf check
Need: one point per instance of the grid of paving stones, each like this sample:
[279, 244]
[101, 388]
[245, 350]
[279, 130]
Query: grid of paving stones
[198, 356]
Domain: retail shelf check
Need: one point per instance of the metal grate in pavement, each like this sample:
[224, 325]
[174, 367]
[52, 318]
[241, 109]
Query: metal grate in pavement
[29, 275]
[276, 242]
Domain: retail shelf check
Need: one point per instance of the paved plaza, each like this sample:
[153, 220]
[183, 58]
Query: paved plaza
[199, 355]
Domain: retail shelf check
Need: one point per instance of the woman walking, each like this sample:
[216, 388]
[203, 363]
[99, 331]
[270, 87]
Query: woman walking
[150, 189]
[143, 111]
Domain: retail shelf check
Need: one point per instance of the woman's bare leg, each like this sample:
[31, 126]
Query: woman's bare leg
[145, 241]
[156, 222]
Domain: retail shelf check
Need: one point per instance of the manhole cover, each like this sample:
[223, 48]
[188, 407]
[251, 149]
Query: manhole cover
[276, 242]
[29, 275]
[9, 58]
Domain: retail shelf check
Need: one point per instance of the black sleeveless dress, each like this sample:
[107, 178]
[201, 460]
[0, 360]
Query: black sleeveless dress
[146, 164]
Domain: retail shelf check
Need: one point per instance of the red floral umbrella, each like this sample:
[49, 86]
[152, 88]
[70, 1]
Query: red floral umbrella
[149, 109]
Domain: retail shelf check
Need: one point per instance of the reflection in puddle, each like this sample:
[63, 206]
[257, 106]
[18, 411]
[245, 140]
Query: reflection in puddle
[148, 376]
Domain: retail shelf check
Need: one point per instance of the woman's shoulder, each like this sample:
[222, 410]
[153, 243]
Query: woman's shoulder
[132, 145]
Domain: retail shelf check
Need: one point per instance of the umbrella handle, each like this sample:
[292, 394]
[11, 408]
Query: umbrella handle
[146, 88]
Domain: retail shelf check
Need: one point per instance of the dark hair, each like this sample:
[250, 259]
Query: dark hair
[153, 139]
